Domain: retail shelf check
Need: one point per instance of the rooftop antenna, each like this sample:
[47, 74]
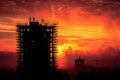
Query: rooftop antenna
[30, 19]
[42, 20]
[33, 19]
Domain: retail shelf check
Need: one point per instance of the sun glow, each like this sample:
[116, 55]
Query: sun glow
[69, 46]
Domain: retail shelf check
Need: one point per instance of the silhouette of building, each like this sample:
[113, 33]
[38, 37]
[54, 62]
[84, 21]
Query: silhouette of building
[36, 47]
[79, 65]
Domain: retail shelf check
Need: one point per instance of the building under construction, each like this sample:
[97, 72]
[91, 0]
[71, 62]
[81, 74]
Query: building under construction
[36, 47]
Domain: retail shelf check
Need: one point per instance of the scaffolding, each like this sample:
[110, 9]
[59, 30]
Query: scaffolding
[36, 47]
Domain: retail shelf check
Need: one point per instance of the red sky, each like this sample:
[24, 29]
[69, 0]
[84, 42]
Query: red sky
[89, 28]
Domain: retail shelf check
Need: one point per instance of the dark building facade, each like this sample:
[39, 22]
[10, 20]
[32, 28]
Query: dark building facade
[79, 65]
[36, 47]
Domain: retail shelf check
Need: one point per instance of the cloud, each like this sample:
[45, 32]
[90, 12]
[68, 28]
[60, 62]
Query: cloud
[7, 35]
[17, 7]
[107, 57]
[8, 60]
[22, 7]
[110, 8]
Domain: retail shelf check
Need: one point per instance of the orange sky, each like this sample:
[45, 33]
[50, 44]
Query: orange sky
[83, 26]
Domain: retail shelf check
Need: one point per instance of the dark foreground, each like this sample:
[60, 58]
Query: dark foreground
[64, 75]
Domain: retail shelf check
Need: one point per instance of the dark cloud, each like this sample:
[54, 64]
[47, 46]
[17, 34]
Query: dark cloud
[108, 57]
[101, 7]
[17, 7]
[11, 8]
[8, 60]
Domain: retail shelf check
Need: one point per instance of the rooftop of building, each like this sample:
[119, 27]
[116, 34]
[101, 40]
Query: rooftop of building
[33, 21]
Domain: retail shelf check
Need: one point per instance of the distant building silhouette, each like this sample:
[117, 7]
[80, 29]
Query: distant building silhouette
[79, 65]
[36, 44]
